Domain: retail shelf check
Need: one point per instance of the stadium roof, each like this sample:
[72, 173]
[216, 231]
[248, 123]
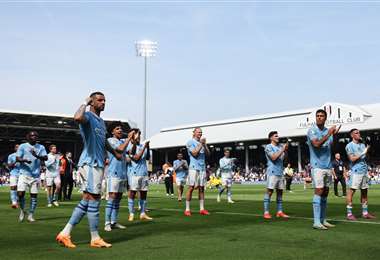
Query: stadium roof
[52, 127]
[290, 124]
[5, 111]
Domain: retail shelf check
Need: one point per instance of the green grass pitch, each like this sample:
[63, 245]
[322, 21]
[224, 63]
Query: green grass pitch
[232, 231]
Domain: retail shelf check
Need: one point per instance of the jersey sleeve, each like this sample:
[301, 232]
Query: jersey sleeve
[86, 118]
[175, 165]
[20, 151]
[223, 163]
[312, 134]
[269, 151]
[113, 143]
[10, 160]
[349, 149]
[42, 151]
[50, 161]
[190, 146]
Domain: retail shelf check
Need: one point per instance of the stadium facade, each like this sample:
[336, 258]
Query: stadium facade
[247, 136]
[59, 129]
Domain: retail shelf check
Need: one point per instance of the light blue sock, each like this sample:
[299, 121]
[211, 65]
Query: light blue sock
[93, 215]
[266, 203]
[279, 204]
[142, 206]
[323, 209]
[109, 209]
[33, 205]
[221, 190]
[229, 192]
[115, 211]
[22, 202]
[349, 210]
[14, 196]
[49, 199]
[317, 209]
[131, 206]
[55, 198]
[364, 208]
[79, 211]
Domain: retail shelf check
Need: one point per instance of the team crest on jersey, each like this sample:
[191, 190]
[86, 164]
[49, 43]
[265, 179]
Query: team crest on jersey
[99, 131]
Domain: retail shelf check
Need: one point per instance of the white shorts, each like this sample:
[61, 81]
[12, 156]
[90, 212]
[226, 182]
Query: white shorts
[180, 181]
[53, 180]
[139, 183]
[28, 183]
[226, 181]
[13, 180]
[358, 181]
[196, 178]
[43, 176]
[91, 178]
[321, 178]
[275, 182]
[116, 185]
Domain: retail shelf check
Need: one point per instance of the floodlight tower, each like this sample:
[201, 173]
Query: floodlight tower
[145, 49]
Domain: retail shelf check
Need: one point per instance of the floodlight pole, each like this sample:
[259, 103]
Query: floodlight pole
[145, 49]
[145, 94]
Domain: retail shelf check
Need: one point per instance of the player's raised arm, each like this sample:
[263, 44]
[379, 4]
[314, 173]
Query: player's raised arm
[121, 148]
[204, 144]
[195, 152]
[79, 116]
[110, 149]
[317, 143]
[20, 155]
[42, 157]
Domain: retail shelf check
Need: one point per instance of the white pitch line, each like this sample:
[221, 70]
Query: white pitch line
[255, 215]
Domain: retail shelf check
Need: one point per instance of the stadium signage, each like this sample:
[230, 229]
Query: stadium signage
[337, 114]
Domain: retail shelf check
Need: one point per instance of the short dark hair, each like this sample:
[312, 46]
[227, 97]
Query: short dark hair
[196, 129]
[272, 133]
[113, 125]
[321, 111]
[96, 93]
[30, 132]
[353, 129]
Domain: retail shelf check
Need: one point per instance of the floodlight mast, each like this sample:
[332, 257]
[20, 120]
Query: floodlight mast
[145, 49]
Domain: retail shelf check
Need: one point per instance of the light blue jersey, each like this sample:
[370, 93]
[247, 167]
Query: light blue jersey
[319, 157]
[226, 165]
[139, 168]
[15, 171]
[359, 166]
[196, 163]
[116, 168]
[180, 168]
[276, 167]
[24, 152]
[93, 133]
[52, 166]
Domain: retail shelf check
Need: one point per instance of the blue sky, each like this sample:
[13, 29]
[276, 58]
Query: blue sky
[214, 60]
